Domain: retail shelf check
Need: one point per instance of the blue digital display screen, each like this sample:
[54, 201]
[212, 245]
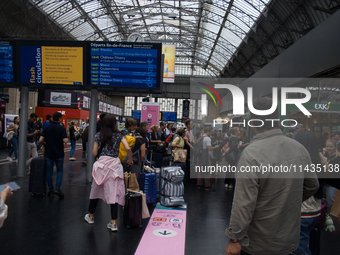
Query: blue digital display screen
[136, 115]
[6, 64]
[169, 116]
[124, 65]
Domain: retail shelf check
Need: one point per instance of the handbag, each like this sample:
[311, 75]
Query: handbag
[9, 135]
[76, 135]
[180, 156]
[131, 181]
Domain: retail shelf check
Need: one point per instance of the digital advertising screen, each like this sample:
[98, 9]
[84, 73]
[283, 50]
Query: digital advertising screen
[6, 63]
[169, 51]
[127, 65]
[169, 116]
[51, 65]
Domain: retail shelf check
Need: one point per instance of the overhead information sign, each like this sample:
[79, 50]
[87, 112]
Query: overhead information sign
[125, 65]
[51, 65]
[106, 66]
[6, 64]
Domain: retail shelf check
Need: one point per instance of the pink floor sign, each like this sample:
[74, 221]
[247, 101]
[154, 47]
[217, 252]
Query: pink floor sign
[165, 233]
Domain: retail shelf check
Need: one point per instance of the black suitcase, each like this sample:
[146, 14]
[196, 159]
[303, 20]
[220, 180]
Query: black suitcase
[133, 210]
[37, 181]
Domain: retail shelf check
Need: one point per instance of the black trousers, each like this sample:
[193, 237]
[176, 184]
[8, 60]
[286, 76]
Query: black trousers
[114, 208]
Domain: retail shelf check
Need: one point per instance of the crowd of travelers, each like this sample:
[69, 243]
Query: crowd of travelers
[269, 215]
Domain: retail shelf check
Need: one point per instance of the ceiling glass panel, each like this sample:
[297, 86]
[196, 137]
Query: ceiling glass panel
[194, 26]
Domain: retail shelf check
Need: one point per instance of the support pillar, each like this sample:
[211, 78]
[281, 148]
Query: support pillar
[92, 133]
[22, 151]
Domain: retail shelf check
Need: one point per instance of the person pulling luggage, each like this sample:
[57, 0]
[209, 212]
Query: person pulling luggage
[108, 178]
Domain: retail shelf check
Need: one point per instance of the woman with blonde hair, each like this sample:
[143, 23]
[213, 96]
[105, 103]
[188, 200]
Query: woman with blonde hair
[72, 129]
[155, 138]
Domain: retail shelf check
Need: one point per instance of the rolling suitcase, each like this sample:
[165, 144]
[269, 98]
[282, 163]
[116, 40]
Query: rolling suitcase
[133, 210]
[148, 184]
[37, 181]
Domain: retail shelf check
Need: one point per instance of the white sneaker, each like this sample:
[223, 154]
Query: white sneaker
[112, 226]
[231, 186]
[88, 219]
[226, 186]
[9, 159]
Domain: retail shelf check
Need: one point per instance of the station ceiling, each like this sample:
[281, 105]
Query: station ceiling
[214, 38]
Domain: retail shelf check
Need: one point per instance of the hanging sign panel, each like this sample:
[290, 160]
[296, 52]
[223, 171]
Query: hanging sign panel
[113, 66]
[126, 65]
[51, 65]
[6, 63]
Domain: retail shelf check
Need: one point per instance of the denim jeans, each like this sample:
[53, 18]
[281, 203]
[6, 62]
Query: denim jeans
[14, 148]
[73, 147]
[330, 195]
[307, 225]
[59, 164]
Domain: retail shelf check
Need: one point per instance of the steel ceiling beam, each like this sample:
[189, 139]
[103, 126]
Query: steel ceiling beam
[113, 17]
[89, 20]
[221, 28]
[147, 29]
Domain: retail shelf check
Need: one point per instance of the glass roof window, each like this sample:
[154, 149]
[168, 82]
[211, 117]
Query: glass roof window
[197, 25]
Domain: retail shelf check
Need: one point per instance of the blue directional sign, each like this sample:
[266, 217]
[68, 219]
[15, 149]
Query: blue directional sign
[124, 65]
[6, 63]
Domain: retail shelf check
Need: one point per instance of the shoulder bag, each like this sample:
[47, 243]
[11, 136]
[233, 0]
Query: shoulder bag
[180, 155]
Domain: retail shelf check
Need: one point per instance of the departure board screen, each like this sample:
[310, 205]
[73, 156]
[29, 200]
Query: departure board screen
[76, 65]
[169, 116]
[51, 65]
[126, 65]
[6, 63]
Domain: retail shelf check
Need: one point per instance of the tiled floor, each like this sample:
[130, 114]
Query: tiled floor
[53, 226]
